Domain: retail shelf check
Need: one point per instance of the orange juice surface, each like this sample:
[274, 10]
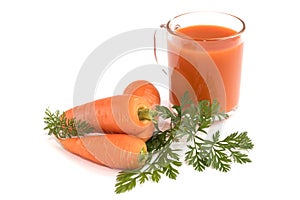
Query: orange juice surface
[206, 60]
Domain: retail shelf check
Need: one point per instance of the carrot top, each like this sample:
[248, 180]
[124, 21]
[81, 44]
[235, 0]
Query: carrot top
[62, 127]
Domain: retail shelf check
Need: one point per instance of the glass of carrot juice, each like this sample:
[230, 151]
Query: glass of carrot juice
[205, 52]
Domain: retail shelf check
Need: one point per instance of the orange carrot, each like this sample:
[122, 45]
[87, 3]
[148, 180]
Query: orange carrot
[148, 91]
[118, 114]
[144, 89]
[119, 151]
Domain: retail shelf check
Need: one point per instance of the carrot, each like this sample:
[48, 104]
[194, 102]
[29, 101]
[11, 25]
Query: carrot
[118, 151]
[117, 114]
[144, 89]
[147, 90]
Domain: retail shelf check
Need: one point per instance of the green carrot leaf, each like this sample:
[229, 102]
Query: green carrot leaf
[187, 133]
[58, 125]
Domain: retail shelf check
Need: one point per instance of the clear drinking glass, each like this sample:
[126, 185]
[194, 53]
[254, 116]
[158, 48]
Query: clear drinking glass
[205, 51]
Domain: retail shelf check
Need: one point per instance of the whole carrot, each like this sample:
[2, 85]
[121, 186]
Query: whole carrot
[148, 91]
[128, 114]
[118, 151]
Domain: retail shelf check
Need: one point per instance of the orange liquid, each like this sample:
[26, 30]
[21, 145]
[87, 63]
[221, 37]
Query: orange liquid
[211, 69]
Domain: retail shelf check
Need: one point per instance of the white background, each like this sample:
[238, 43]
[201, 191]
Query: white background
[42, 48]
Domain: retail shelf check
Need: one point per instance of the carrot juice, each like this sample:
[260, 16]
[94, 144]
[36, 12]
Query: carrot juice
[206, 61]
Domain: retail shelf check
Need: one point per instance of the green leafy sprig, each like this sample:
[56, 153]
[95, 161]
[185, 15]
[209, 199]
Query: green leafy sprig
[61, 127]
[189, 123]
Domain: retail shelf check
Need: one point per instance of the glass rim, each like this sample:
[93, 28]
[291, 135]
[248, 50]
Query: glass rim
[238, 33]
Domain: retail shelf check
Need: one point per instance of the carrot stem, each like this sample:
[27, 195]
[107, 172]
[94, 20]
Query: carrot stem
[144, 114]
[143, 156]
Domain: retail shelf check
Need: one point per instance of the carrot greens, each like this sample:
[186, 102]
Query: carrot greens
[186, 140]
[58, 125]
